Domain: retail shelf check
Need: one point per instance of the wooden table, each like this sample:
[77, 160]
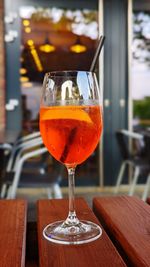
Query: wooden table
[12, 233]
[127, 222]
[125, 240]
[100, 253]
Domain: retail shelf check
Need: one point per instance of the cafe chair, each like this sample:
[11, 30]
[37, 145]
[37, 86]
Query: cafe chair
[48, 180]
[23, 147]
[20, 173]
[138, 160]
[7, 148]
[21, 143]
[30, 180]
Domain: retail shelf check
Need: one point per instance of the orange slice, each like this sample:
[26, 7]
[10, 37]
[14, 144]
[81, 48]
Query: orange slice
[75, 114]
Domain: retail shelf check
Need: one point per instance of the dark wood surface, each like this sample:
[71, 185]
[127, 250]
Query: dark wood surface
[12, 233]
[100, 253]
[127, 221]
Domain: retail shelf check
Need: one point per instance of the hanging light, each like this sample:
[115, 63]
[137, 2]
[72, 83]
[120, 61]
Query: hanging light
[78, 47]
[47, 47]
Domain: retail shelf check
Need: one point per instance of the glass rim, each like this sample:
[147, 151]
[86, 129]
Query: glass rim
[61, 73]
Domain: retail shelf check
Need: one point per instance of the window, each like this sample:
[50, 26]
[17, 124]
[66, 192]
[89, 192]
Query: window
[141, 69]
[52, 39]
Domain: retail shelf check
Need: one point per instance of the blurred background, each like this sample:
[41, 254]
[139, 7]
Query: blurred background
[41, 36]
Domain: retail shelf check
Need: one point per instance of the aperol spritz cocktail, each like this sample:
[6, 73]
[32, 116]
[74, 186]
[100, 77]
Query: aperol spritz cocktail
[71, 126]
[71, 133]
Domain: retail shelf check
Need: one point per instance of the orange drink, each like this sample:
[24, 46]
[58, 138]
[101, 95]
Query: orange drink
[71, 126]
[71, 133]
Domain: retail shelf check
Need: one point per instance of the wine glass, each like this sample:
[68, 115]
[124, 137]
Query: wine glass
[71, 126]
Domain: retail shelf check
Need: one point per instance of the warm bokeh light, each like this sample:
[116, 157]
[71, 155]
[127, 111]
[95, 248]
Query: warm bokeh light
[23, 71]
[30, 42]
[35, 55]
[26, 22]
[24, 79]
[33, 51]
[47, 48]
[21, 59]
[78, 48]
[27, 29]
[36, 59]
[27, 84]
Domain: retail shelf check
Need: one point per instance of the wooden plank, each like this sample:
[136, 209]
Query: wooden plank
[12, 233]
[127, 221]
[98, 253]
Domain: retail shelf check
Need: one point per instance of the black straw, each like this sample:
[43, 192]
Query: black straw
[98, 50]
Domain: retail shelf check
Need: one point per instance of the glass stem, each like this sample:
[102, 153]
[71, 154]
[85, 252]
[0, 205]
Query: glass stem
[72, 218]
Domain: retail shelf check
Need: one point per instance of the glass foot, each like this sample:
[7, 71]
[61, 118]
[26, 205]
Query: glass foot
[63, 233]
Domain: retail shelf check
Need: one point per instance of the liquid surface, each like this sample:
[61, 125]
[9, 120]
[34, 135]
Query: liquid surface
[71, 133]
